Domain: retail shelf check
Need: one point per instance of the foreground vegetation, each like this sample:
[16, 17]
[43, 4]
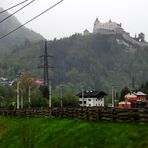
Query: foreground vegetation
[64, 133]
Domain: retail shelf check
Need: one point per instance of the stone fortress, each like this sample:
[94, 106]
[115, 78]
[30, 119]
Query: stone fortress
[113, 28]
[108, 26]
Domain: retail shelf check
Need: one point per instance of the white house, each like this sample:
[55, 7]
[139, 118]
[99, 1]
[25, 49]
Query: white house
[91, 98]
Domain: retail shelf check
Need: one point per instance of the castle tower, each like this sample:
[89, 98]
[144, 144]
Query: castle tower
[96, 22]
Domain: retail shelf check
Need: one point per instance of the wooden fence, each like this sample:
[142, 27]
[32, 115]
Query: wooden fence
[92, 114]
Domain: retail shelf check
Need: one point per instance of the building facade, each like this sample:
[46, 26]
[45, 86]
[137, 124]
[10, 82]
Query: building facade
[91, 98]
[134, 100]
[107, 27]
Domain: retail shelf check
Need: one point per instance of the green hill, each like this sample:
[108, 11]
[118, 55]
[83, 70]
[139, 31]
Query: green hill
[94, 61]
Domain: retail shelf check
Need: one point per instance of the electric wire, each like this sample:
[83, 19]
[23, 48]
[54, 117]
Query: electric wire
[16, 11]
[31, 20]
[13, 6]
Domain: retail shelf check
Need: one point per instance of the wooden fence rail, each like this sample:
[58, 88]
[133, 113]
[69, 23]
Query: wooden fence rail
[92, 114]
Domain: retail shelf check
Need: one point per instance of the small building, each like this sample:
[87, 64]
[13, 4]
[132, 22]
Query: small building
[135, 99]
[124, 104]
[136, 96]
[91, 98]
[130, 96]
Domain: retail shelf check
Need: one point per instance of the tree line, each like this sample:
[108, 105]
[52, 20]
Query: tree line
[8, 95]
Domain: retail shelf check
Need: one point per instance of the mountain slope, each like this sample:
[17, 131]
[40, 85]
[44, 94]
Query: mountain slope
[95, 61]
[16, 39]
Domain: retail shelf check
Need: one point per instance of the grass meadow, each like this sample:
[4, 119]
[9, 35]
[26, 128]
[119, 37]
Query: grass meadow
[66, 133]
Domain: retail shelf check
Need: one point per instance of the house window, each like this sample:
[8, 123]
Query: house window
[80, 102]
[96, 99]
[84, 102]
[89, 99]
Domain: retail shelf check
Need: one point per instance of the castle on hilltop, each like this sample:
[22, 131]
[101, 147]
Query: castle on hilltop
[113, 28]
[108, 26]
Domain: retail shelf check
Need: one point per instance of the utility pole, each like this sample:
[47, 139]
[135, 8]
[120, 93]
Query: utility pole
[50, 94]
[47, 81]
[18, 94]
[46, 78]
[114, 92]
[62, 96]
[18, 90]
[133, 83]
[22, 102]
[82, 97]
[113, 97]
[29, 92]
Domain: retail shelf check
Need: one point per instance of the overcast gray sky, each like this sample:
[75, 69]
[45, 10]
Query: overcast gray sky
[74, 16]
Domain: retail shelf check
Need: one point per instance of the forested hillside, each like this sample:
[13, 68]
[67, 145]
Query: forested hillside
[95, 61]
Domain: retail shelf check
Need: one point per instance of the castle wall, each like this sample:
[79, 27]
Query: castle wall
[109, 26]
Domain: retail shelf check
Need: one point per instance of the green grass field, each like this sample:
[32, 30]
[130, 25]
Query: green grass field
[64, 133]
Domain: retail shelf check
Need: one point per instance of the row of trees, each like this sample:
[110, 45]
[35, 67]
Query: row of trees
[31, 95]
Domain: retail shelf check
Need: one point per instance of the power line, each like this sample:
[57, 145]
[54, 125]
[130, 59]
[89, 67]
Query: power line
[13, 6]
[16, 11]
[31, 20]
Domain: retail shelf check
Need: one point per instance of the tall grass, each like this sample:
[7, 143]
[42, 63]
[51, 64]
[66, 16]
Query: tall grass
[64, 133]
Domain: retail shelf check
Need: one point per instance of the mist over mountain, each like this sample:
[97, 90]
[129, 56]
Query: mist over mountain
[16, 39]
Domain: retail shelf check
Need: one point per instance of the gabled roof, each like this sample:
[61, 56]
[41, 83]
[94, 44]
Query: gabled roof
[134, 95]
[91, 94]
[139, 93]
[130, 95]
